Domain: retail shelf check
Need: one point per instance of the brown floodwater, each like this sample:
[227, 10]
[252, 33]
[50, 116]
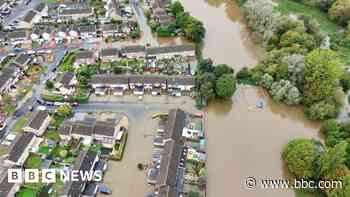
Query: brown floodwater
[243, 141]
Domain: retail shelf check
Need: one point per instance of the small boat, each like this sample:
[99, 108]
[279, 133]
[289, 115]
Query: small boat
[105, 190]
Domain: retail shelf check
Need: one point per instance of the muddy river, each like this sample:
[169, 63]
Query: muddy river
[242, 141]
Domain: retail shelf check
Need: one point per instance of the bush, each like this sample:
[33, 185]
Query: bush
[225, 86]
[300, 156]
[321, 111]
[340, 11]
[52, 98]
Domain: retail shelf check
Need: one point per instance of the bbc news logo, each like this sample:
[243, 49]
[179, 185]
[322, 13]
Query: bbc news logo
[51, 175]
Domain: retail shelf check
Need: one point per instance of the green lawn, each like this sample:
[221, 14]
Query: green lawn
[20, 124]
[26, 192]
[52, 97]
[289, 6]
[67, 63]
[51, 1]
[44, 150]
[34, 161]
[52, 135]
[119, 148]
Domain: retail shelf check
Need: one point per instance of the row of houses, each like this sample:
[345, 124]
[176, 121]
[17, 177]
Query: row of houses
[135, 51]
[169, 182]
[118, 84]
[168, 171]
[46, 33]
[13, 71]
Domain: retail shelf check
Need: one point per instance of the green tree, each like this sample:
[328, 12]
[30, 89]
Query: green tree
[222, 69]
[176, 8]
[193, 194]
[345, 81]
[340, 11]
[333, 162]
[300, 156]
[226, 86]
[321, 111]
[322, 71]
[343, 191]
[266, 81]
[49, 84]
[65, 110]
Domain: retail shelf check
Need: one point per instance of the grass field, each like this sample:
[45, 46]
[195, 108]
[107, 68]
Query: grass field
[289, 6]
[51, 1]
[20, 123]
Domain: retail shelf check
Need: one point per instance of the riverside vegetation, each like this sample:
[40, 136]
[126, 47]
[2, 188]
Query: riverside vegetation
[307, 46]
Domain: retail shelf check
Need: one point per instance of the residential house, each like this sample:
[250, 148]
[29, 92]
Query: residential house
[27, 142]
[136, 83]
[83, 130]
[87, 31]
[74, 13]
[106, 132]
[175, 124]
[29, 19]
[109, 54]
[7, 79]
[117, 83]
[8, 189]
[66, 84]
[23, 60]
[65, 132]
[111, 30]
[84, 57]
[136, 51]
[18, 37]
[85, 162]
[3, 37]
[161, 3]
[91, 189]
[178, 84]
[38, 123]
[42, 9]
[41, 33]
[186, 50]
[155, 84]
[162, 17]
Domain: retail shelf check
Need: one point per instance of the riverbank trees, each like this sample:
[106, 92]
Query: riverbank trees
[308, 159]
[299, 67]
[214, 81]
[182, 24]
